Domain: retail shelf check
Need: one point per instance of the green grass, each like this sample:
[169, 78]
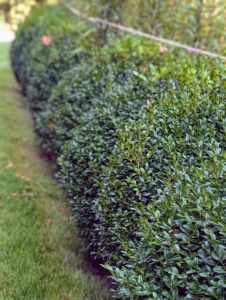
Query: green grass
[39, 250]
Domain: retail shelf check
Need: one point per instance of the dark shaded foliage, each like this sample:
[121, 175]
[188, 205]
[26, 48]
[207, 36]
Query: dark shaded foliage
[142, 137]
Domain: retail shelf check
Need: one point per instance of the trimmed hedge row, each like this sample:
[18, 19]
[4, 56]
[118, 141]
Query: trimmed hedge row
[165, 187]
[140, 141]
[39, 67]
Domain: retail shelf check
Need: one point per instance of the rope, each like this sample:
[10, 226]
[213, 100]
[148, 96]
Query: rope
[146, 35]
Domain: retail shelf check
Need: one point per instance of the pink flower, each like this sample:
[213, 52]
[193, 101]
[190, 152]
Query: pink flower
[46, 40]
[163, 49]
[10, 164]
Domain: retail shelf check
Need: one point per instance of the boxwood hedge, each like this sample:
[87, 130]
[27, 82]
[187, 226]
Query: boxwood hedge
[162, 199]
[85, 156]
[44, 21]
[39, 67]
[141, 140]
[78, 90]
[110, 65]
[70, 99]
[146, 206]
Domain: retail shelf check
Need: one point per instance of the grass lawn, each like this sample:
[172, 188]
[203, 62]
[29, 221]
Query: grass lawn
[39, 249]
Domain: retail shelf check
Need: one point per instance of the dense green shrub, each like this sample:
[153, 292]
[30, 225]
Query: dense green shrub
[73, 96]
[83, 85]
[115, 211]
[78, 90]
[143, 161]
[43, 21]
[46, 75]
[162, 202]
[88, 152]
[95, 132]
[97, 91]
[43, 66]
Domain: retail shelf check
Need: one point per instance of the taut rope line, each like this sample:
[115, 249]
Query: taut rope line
[146, 35]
